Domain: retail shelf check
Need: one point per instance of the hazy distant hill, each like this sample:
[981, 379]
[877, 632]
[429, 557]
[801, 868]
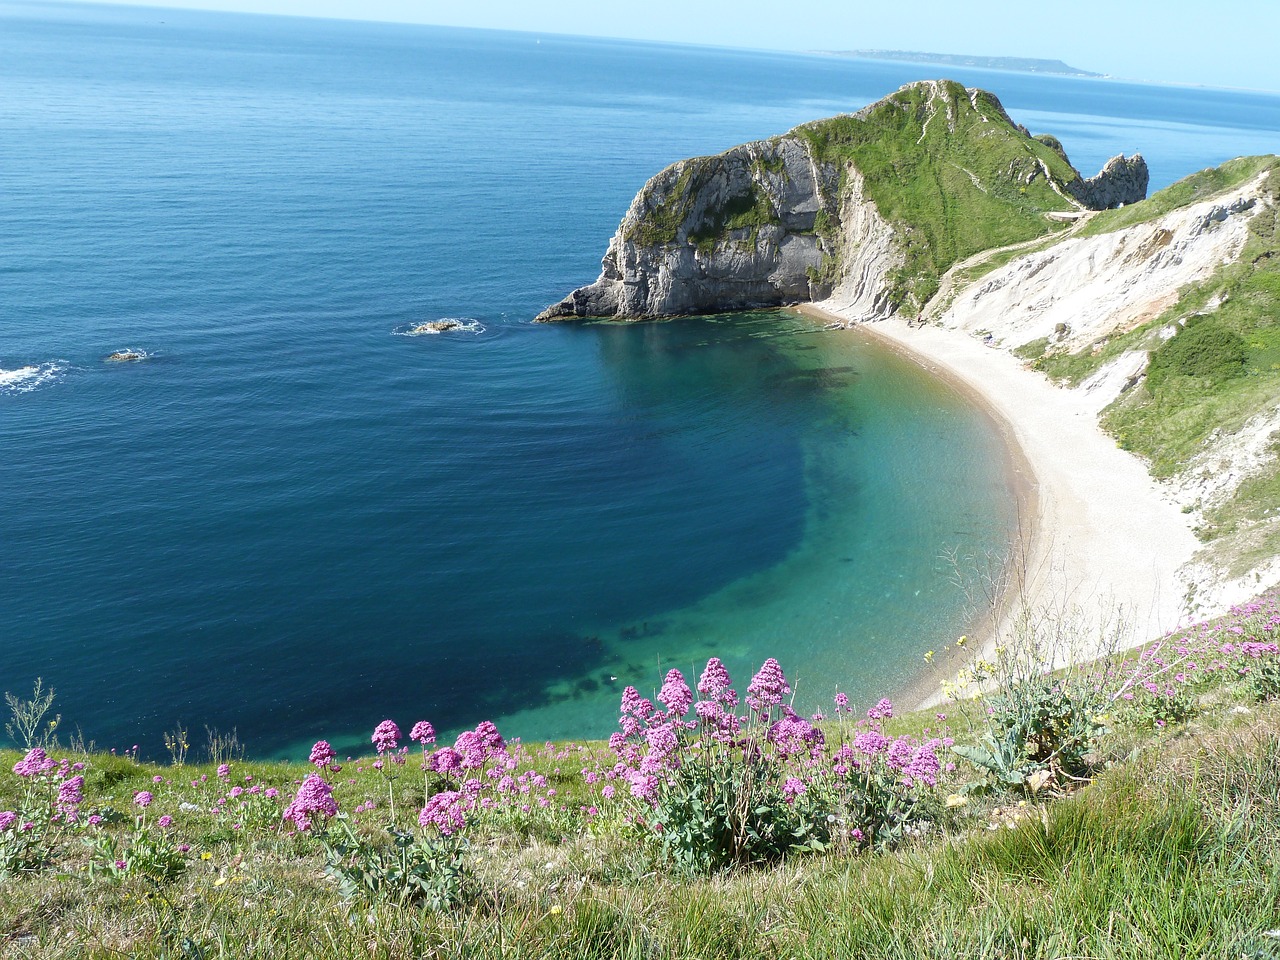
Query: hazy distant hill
[1020, 64]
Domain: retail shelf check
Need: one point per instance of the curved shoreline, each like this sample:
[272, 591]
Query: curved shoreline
[1100, 537]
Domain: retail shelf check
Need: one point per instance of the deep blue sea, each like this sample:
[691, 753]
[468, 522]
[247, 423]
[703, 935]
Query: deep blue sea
[294, 520]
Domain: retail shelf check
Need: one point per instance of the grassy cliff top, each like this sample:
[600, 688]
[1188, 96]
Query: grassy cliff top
[948, 168]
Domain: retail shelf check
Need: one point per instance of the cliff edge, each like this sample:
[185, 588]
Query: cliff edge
[875, 206]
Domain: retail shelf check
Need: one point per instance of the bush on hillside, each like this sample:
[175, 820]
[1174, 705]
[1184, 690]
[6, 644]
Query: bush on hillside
[1203, 348]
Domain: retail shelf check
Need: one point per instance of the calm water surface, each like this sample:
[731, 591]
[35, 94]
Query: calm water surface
[295, 520]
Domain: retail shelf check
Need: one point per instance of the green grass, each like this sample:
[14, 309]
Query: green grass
[1172, 850]
[1173, 854]
[951, 190]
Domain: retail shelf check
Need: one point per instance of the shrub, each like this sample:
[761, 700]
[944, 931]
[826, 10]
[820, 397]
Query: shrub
[726, 790]
[1202, 348]
[413, 869]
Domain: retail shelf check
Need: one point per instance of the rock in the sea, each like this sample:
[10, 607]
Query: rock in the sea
[743, 229]
[124, 356]
[437, 326]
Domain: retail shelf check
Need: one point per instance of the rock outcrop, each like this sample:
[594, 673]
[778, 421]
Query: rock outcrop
[1122, 180]
[730, 232]
[873, 205]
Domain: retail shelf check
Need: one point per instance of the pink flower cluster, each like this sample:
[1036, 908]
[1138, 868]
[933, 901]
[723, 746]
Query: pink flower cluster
[313, 799]
[1181, 664]
[651, 743]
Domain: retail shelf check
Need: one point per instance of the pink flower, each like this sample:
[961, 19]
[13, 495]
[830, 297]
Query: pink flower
[322, 754]
[643, 785]
[446, 760]
[923, 766]
[870, 742]
[635, 705]
[423, 733]
[165, 821]
[793, 788]
[881, 711]
[767, 687]
[470, 746]
[35, 763]
[70, 794]
[315, 796]
[675, 694]
[143, 799]
[7, 819]
[842, 702]
[386, 736]
[488, 734]
[714, 682]
[224, 770]
[444, 812]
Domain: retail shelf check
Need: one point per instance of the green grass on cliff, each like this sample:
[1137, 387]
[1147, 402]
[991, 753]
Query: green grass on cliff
[1174, 853]
[956, 177]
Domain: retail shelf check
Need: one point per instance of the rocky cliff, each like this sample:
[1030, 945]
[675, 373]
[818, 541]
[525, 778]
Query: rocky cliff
[719, 233]
[875, 205]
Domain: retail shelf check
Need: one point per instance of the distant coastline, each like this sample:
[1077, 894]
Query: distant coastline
[1017, 64]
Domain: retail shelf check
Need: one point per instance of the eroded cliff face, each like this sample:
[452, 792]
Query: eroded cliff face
[794, 218]
[739, 230]
[1085, 288]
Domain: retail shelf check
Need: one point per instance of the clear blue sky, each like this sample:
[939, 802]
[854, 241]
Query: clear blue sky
[1229, 43]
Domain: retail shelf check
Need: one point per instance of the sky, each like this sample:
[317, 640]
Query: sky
[1222, 43]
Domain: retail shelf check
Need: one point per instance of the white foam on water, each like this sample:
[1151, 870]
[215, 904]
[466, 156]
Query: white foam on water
[425, 328]
[28, 378]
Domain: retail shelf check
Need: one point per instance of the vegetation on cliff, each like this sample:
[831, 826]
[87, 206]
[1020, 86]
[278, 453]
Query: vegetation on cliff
[1118, 809]
[951, 172]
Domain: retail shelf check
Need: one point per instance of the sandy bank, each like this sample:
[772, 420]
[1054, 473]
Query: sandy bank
[1101, 535]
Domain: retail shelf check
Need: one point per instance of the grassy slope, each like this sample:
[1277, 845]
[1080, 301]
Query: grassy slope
[1168, 423]
[1176, 853]
[951, 190]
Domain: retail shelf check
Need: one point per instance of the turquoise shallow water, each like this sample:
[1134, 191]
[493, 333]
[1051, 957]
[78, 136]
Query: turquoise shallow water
[294, 520]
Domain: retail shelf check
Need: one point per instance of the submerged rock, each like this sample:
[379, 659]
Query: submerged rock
[124, 356]
[438, 326]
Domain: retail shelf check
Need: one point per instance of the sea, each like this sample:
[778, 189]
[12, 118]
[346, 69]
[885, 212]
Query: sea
[292, 518]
